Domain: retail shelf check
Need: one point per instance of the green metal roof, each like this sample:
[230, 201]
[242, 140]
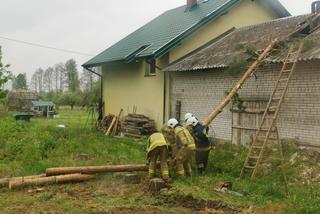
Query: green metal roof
[167, 30]
[42, 103]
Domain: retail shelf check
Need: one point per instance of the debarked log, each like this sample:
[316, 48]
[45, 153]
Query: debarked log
[5, 181]
[96, 169]
[18, 183]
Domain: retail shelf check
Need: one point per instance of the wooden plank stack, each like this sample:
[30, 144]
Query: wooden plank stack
[137, 126]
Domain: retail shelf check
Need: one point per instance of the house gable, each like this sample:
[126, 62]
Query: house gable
[165, 32]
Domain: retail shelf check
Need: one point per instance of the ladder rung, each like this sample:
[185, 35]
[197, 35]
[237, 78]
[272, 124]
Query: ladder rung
[276, 98]
[266, 129]
[269, 139]
[271, 118]
[286, 71]
[272, 138]
[283, 80]
[261, 137]
[253, 157]
[272, 107]
[257, 147]
[249, 167]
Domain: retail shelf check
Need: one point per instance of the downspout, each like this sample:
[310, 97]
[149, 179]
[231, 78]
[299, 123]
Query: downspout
[164, 96]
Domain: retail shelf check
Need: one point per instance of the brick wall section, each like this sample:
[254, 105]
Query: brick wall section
[201, 91]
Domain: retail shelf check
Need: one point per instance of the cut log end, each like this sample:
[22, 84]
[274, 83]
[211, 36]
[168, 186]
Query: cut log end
[132, 178]
[4, 182]
[19, 183]
[156, 184]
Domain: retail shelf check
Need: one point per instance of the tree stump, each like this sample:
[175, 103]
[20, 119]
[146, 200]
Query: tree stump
[4, 182]
[156, 184]
[83, 157]
[132, 178]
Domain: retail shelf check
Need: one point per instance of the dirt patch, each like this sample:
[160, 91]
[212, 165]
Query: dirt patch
[97, 196]
[201, 205]
[306, 165]
[133, 210]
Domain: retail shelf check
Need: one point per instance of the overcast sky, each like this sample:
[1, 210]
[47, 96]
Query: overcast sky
[85, 26]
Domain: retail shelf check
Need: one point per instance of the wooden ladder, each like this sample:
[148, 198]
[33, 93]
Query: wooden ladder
[267, 129]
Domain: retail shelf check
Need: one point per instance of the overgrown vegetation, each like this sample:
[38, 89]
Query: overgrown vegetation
[247, 48]
[308, 44]
[240, 62]
[237, 66]
[29, 148]
[237, 102]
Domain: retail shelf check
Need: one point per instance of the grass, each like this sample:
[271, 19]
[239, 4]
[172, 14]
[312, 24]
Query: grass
[30, 148]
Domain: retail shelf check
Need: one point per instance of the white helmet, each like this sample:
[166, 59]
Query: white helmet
[187, 116]
[172, 122]
[192, 121]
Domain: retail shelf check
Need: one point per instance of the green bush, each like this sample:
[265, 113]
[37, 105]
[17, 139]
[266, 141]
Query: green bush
[227, 159]
[46, 144]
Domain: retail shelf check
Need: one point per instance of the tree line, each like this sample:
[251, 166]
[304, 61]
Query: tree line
[61, 84]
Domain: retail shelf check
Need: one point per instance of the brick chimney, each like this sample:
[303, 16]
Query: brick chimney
[191, 4]
[315, 7]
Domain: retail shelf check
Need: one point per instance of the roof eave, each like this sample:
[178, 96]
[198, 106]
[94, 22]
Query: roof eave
[222, 66]
[115, 61]
[276, 6]
[97, 64]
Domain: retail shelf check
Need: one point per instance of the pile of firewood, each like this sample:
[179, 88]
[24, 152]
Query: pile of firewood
[137, 125]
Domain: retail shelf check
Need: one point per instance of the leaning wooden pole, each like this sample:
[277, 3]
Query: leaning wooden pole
[111, 125]
[96, 169]
[239, 84]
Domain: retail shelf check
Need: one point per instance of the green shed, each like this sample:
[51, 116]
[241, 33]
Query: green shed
[44, 108]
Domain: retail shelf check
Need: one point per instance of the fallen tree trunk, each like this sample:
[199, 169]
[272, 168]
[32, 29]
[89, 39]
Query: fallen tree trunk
[96, 169]
[5, 181]
[239, 84]
[18, 183]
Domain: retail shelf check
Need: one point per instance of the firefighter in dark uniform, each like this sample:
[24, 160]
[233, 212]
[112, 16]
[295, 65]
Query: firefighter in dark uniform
[203, 146]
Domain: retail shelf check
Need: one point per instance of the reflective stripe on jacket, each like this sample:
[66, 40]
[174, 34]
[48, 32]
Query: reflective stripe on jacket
[203, 149]
[184, 138]
[156, 140]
